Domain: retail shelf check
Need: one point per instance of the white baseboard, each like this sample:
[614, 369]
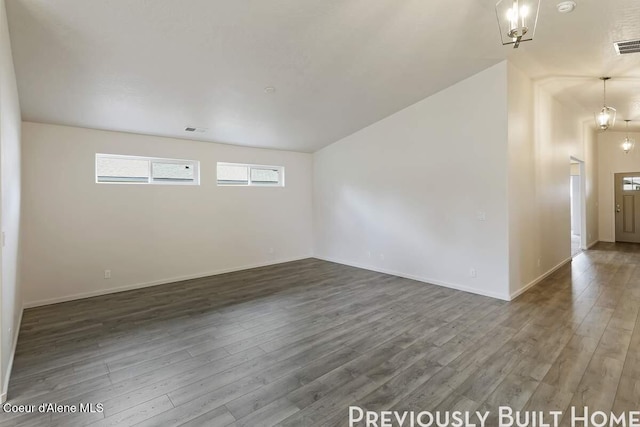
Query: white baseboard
[418, 278]
[14, 345]
[539, 279]
[83, 295]
[592, 244]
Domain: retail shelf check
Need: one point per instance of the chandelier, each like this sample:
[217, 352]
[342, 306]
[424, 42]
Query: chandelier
[628, 143]
[517, 20]
[606, 118]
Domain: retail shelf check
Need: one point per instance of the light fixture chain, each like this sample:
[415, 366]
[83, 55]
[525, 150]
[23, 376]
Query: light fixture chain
[627, 122]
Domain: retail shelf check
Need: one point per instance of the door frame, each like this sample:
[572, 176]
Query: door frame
[583, 202]
[613, 202]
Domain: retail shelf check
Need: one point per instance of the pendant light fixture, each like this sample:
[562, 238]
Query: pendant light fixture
[628, 143]
[606, 118]
[517, 20]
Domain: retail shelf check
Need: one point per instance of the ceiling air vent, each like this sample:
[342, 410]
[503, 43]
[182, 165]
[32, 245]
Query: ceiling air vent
[193, 129]
[629, 46]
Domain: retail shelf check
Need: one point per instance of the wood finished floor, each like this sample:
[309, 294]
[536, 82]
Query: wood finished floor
[295, 344]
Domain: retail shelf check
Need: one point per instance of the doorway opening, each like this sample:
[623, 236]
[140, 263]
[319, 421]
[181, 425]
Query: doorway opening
[578, 202]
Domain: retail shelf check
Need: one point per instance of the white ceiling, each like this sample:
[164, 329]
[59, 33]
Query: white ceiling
[156, 66]
[574, 52]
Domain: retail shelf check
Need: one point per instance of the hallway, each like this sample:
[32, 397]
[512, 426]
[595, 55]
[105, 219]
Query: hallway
[586, 319]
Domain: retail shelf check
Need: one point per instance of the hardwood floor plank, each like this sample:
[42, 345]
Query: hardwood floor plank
[548, 398]
[137, 414]
[217, 417]
[568, 369]
[256, 400]
[269, 415]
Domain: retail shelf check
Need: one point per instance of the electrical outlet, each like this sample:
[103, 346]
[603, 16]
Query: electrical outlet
[539, 262]
[481, 216]
[473, 272]
[271, 250]
[381, 257]
[107, 274]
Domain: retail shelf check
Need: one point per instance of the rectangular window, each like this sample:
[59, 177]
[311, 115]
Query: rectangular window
[112, 169]
[233, 174]
[250, 175]
[631, 183]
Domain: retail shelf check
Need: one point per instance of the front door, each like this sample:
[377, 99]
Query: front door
[627, 207]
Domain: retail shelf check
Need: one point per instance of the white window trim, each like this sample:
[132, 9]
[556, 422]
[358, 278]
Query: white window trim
[193, 163]
[249, 183]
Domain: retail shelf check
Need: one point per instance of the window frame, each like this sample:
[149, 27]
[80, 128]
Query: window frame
[632, 183]
[250, 166]
[195, 164]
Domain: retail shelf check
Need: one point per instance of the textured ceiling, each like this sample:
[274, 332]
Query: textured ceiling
[337, 66]
[572, 53]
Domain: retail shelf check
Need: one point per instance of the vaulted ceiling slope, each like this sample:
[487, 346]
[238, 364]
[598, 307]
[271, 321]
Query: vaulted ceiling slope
[155, 67]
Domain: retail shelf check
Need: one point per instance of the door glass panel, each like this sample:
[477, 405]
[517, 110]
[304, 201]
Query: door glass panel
[631, 183]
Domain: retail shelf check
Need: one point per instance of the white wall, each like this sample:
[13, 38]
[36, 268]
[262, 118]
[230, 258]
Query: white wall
[613, 160]
[10, 297]
[576, 200]
[543, 135]
[402, 195]
[524, 237]
[576, 205]
[74, 229]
